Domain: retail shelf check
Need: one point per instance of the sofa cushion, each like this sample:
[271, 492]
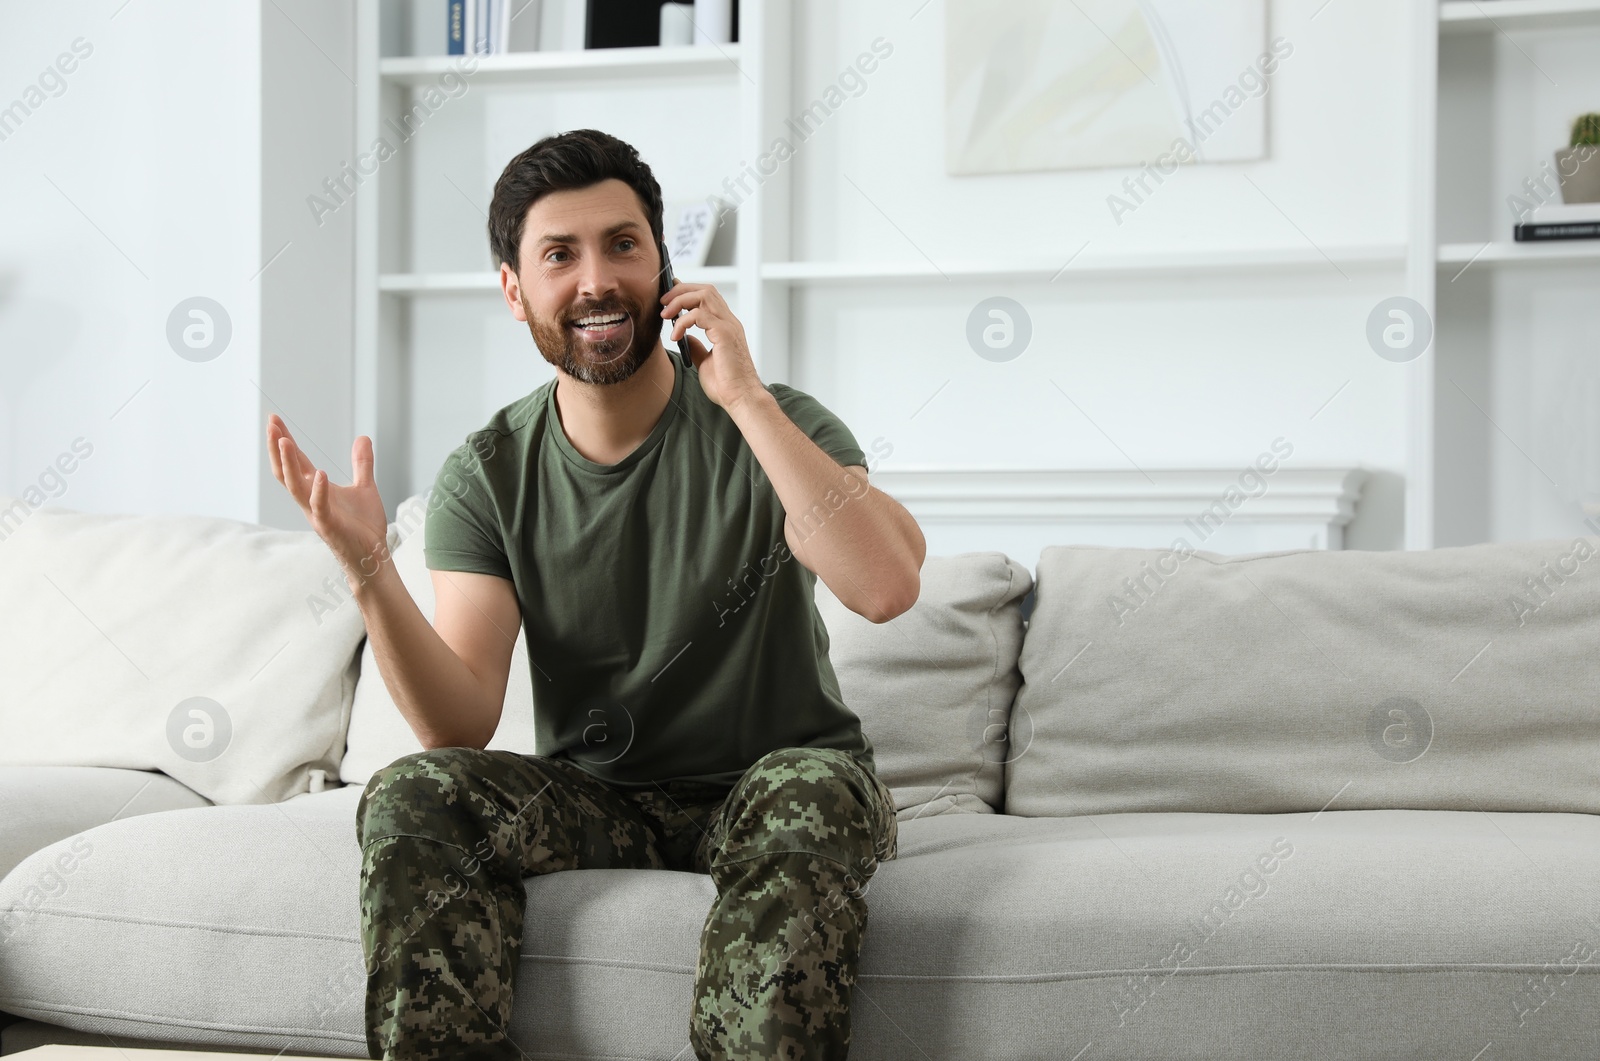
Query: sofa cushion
[44, 804]
[215, 651]
[1451, 678]
[1151, 936]
[934, 686]
[378, 733]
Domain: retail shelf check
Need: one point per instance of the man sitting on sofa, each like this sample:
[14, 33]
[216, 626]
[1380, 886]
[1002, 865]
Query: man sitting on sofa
[641, 516]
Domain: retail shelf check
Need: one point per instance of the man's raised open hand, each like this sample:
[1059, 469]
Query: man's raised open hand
[350, 519]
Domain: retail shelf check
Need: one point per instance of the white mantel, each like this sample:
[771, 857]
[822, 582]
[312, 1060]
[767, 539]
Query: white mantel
[1020, 511]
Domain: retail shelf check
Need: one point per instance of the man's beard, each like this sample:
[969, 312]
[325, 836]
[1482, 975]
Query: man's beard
[609, 361]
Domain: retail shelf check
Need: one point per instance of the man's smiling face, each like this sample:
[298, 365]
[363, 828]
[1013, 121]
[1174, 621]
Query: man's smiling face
[587, 256]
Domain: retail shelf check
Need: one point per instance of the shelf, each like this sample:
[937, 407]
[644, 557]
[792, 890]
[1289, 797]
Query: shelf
[486, 282]
[597, 64]
[1088, 264]
[1509, 252]
[1307, 258]
[1489, 16]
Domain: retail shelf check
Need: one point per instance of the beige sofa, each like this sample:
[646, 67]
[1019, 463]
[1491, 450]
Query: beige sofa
[1154, 804]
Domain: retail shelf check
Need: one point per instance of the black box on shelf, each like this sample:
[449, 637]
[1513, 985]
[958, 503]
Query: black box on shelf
[622, 24]
[1553, 230]
[629, 23]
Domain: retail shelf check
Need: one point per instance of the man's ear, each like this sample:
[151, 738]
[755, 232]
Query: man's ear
[511, 289]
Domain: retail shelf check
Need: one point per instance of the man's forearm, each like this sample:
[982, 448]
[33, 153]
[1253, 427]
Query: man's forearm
[436, 692]
[860, 541]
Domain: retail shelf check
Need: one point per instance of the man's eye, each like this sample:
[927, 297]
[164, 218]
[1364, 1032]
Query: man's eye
[547, 256]
[626, 240]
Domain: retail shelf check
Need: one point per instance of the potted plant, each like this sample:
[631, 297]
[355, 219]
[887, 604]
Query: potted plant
[1579, 165]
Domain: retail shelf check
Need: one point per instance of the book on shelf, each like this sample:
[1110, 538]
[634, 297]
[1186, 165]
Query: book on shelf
[561, 25]
[484, 27]
[1554, 221]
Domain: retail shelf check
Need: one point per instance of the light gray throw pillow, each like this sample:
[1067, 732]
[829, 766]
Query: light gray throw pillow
[934, 686]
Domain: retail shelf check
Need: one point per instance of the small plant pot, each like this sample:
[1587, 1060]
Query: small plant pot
[1579, 170]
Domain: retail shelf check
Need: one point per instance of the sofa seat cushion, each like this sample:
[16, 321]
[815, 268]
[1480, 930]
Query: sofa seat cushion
[1168, 935]
[44, 804]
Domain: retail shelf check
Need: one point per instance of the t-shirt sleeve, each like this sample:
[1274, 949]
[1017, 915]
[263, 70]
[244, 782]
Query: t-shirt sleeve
[462, 532]
[820, 425]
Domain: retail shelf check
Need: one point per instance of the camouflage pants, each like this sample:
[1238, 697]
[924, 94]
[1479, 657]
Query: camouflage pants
[448, 835]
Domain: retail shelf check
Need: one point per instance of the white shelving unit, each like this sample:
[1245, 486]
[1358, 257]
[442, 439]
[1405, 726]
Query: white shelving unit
[1515, 354]
[1086, 264]
[489, 283]
[1494, 16]
[1498, 252]
[431, 341]
[556, 68]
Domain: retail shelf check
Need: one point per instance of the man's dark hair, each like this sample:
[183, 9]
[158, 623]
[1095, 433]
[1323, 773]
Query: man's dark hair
[575, 159]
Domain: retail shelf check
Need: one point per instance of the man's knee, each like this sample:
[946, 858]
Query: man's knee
[420, 794]
[815, 800]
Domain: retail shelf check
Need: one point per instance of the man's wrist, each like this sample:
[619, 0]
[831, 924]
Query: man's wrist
[753, 397]
[374, 567]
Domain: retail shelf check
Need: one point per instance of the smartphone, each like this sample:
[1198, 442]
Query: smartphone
[669, 280]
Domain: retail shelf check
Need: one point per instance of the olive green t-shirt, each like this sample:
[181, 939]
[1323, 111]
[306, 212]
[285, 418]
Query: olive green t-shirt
[671, 633]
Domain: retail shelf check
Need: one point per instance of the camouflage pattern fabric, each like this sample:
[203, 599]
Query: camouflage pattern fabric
[448, 836]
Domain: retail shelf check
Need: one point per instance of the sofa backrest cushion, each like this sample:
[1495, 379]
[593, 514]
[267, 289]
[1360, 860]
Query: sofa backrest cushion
[934, 686]
[379, 733]
[1458, 678]
[218, 652]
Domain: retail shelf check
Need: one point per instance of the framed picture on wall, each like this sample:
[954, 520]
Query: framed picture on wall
[1042, 85]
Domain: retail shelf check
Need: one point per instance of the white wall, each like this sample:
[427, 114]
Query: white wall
[153, 146]
[1165, 372]
[307, 133]
[139, 186]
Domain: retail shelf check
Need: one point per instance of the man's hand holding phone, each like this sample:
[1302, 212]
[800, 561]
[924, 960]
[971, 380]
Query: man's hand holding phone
[350, 519]
[727, 371]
